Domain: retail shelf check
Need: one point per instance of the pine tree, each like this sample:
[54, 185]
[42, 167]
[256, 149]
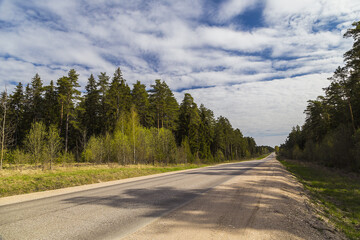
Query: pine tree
[206, 132]
[103, 86]
[91, 119]
[222, 139]
[16, 113]
[67, 93]
[164, 106]
[37, 101]
[28, 114]
[118, 98]
[189, 123]
[5, 130]
[51, 105]
[140, 98]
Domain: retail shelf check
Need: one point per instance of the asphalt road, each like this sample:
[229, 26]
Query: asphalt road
[115, 211]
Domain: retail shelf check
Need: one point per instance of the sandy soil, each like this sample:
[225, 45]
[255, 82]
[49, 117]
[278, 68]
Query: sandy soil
[266, 202]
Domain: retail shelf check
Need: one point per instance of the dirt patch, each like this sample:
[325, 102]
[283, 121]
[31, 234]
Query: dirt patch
[266, 202]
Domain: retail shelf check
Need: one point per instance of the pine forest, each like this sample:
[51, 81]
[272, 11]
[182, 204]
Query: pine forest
[113, 123]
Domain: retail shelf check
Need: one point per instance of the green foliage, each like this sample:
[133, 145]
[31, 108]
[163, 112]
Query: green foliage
[94, 151]
[51, 105]
[110, 123]
[140, 98]
[91, 116]
[34, 142]
[189, 124]
[52, 145]
[16, 114]
[118, 98]
[330, 132]
[20, 157]
[219, 156]
[15, 182]
[163, 105]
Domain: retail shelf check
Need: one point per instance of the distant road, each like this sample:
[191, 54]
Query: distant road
[239, 199]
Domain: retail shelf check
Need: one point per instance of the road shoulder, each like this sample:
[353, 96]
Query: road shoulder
[264, 203]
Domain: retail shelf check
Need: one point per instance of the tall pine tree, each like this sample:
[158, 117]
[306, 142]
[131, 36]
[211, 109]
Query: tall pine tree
[140, 99]
[67, 94]
[163, 105]
[92, 108]
[118, 98]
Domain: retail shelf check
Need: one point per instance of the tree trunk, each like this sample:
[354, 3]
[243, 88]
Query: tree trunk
[51, 162]
[351, 114]
[3, 138]
[66, 132]
[158, 121]
[61, 114]
[134, 138]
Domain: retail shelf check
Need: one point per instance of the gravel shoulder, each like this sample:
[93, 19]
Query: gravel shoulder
[266, 202]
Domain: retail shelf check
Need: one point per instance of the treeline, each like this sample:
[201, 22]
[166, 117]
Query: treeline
[110, 122]
[331, 134]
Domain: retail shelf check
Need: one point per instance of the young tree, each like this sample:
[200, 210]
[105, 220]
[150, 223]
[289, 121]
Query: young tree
[5, 131]
[34, 141]
[134, 129]
[53, 144]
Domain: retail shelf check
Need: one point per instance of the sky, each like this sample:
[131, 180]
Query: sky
[256, 62]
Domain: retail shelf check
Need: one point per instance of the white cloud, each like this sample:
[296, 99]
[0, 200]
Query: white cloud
[231, 8]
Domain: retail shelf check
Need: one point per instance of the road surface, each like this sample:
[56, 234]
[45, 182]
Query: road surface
[247, 200]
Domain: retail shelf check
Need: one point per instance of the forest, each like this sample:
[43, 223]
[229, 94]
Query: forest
[331, 133]
[111, 123]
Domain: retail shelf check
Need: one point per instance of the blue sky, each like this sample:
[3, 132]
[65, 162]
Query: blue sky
[257, 62]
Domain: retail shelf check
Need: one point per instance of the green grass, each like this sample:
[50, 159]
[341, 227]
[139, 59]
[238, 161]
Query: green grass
[28, 179]
[262, 156]
[337, 193]
[14, 182]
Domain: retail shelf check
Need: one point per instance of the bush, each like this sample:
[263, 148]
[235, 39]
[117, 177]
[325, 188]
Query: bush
[94, 151]
[219, 156]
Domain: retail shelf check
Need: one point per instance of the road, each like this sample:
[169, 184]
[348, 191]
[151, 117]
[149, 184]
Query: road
[253, 200]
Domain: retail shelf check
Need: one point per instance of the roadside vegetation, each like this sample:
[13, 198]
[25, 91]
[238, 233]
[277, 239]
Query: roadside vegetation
[27, 178]
[335, 192]
[54, 136]
[331, 132]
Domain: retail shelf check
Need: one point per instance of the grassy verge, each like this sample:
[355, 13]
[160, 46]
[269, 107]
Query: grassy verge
[27, 179]
[13, 182]
[336, 193]
[262, 156]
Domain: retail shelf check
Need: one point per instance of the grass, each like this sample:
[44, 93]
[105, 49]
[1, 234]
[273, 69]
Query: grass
[26, 179]
[13, 182]
[335, 192]
[262, 156]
